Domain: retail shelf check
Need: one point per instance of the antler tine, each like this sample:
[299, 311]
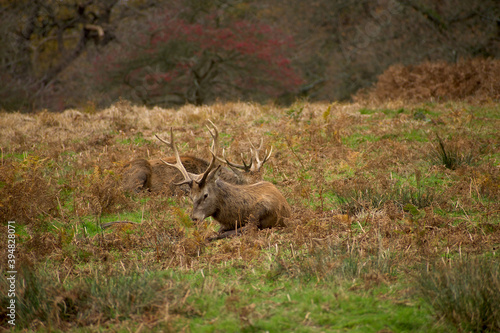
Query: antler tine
[215, 137]
[243, 166]
[249, 166]
[260, 146]
[215, 143]
[267, 156]
[215, 146]
[255, 153]
[234, 165]
[178, 165]
[261, 143]
[203, 177]
[221, 159]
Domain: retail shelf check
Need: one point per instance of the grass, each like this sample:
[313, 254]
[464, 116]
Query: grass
[230, 298]
[386, 112]
[137, 139]
[464, 292]
[373, 201]
[452, 158]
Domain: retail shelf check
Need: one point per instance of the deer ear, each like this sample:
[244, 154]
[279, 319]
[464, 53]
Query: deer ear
[233, 169]
[212, 174]
[189, 182]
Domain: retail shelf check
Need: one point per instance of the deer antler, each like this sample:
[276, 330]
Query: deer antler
[254, 167]
[188, 177]
[244, 166]
[215, 137]
[178, 165]
[255, 153]
[215, 147]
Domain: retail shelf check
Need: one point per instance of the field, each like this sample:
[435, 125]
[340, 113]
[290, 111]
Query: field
[395, 224]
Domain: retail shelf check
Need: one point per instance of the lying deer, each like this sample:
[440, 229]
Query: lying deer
[155, 176]
[233, 206]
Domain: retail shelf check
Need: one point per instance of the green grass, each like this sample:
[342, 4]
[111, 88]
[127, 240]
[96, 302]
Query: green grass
[388, 112]
[484, 111]
[90, 223]
[417, 135]
[137, 139]
[309, 308]
[355, 140]
[358, 200]
[18, 156]
[232, 298]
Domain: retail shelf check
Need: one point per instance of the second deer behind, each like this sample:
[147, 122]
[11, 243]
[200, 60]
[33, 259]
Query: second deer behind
[153, 175]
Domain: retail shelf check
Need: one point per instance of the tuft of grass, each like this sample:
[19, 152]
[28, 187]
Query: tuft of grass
[356, 201]
[420, 197]
[124, 295]
[39, 299]
[101, 193]
[332, 263]
[295, 111]
[465, 292]
[451, 157]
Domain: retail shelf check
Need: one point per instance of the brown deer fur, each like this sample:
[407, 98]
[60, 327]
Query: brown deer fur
[233, 206]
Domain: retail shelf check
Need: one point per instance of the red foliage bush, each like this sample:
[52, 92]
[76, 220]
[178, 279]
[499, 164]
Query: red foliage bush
[470, 80]
[176, 60]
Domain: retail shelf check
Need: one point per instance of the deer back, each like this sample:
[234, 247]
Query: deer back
[156, 176]
[136, 175]
[163, 176]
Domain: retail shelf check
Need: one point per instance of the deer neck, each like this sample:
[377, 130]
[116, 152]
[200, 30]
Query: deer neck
[233, 204]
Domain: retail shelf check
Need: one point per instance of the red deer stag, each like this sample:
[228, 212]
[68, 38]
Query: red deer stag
[233, 206]
[155, 176]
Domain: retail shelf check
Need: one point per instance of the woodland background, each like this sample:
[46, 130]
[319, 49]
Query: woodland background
[59, 54]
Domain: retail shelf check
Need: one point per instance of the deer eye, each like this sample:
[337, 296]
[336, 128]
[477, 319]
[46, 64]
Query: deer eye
[205, 196]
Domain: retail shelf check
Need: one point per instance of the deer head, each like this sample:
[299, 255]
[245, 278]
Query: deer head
[200, 184]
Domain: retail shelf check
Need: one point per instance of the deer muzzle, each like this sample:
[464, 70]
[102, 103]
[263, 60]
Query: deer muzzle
[197, 216]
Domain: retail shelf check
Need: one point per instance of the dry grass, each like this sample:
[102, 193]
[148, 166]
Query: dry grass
[363, 186]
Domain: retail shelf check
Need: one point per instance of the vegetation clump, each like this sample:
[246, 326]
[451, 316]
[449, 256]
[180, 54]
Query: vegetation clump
[465, 292]
[468, 79]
